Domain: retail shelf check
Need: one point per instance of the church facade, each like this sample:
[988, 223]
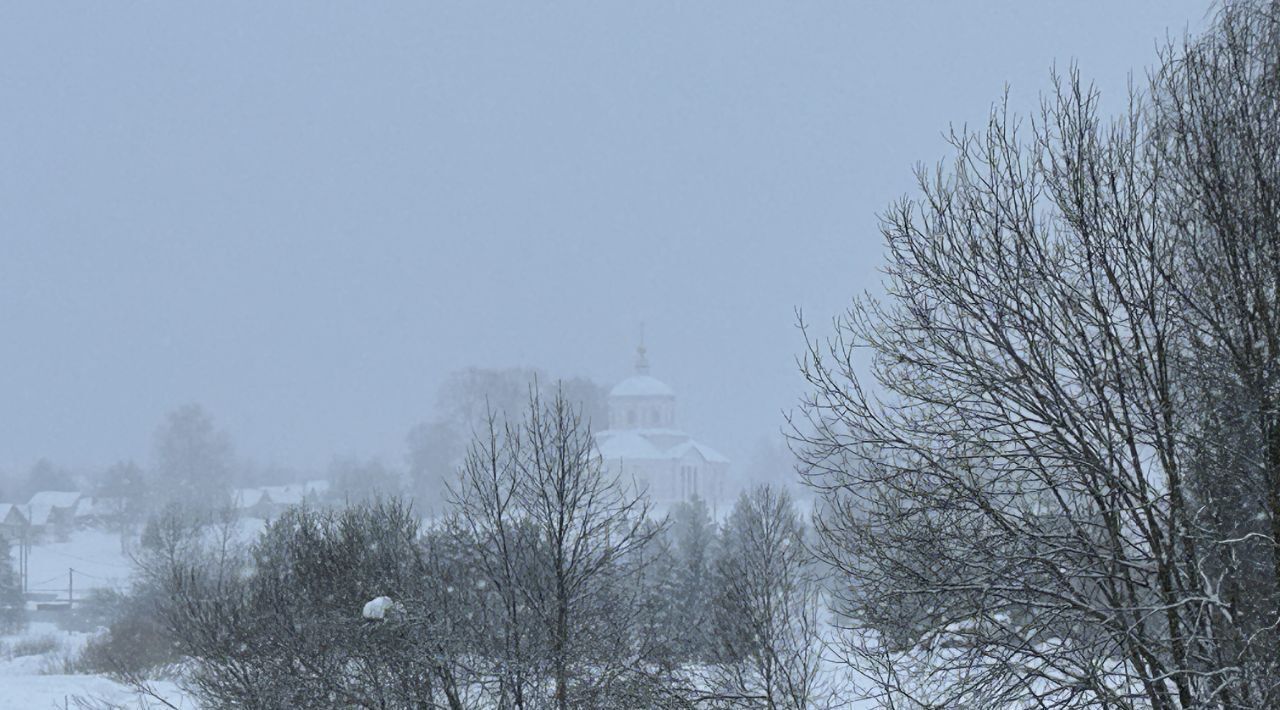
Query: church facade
[644, 442]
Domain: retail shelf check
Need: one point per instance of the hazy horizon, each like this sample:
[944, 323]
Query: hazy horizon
[304, 218]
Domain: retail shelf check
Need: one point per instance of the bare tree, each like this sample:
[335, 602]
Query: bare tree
[1021, 508]
[354, 480]
[1216, 116]
[193, 460]
[437, 448]
[554, 535]
[530, 596]
[121, 499]
[587, 523]
[488, 519]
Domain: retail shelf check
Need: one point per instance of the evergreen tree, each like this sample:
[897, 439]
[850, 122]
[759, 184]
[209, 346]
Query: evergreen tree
[694, 535]
[13, 614]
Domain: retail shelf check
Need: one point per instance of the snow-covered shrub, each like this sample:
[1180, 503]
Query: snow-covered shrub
[134, 640]
[33, 645]
[290, 633]
[378, 608]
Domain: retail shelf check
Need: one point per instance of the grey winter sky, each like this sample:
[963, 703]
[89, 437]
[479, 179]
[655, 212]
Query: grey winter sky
[304, 215]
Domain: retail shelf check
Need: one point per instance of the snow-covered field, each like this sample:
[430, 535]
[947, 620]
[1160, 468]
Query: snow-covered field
[38, 692]
[95, 560]
[80, 691]
[33, 675]
[94, 555]
[34, 665]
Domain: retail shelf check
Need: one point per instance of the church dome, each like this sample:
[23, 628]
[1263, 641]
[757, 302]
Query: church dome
[642, 401]
[641, 386]
[643, 442]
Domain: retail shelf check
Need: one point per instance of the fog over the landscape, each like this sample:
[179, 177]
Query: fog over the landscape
[304, 216]
[640, 356]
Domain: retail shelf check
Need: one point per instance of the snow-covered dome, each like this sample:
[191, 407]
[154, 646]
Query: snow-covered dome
[644, 443]
[641, 386]
[642, 401]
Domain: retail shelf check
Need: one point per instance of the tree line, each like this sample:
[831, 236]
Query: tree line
[545, 583]
[194, 461]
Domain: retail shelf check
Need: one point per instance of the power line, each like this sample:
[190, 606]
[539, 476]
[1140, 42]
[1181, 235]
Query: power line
[83, 559]
[51, 579]
[82, 573]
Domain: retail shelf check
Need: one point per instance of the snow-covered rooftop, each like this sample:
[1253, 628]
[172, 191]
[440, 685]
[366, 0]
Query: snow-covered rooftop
[706, 452]
[295, 493]
[627, 445]
[290, 494]
[54, 499]
[641, 386]
[247, 497]
[670, 444]
[43, 504]
[7, 509]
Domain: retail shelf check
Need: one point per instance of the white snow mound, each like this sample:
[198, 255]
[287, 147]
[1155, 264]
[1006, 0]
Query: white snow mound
[377, 608]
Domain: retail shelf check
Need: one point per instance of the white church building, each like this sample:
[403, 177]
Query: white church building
[643, 442]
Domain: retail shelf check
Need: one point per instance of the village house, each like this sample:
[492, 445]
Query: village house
[52, 513]
[268, 501]
[12, 522]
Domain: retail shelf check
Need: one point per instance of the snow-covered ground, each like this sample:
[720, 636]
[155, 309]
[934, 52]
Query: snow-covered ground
[34, 665]
[94, 555]
[94, 559]
[40, 692]
[33, 675]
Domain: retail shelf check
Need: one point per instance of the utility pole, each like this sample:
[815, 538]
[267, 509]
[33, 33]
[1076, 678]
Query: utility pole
[70, 587]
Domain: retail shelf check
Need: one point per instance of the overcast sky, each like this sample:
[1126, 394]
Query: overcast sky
[304, 215]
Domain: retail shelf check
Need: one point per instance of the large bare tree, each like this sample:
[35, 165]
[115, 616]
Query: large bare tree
[556, 537]
[1073, 365]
